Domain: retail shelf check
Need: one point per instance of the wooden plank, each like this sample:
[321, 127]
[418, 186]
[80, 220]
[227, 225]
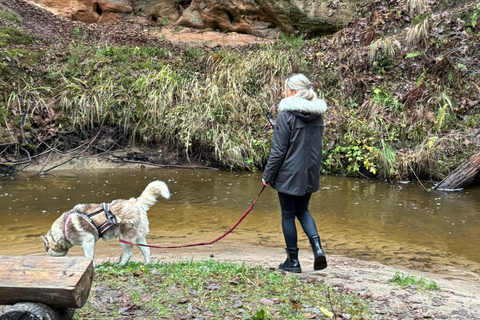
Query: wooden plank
[63, 282]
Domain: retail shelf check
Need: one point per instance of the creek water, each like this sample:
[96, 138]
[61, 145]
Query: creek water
[396, 224]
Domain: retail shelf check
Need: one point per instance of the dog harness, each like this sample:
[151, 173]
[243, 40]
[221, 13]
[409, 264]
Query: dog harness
[110, 219]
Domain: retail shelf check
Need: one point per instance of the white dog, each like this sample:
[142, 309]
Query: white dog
[123, 219]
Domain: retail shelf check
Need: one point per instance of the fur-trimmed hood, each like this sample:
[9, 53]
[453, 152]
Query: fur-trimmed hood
[296, 104]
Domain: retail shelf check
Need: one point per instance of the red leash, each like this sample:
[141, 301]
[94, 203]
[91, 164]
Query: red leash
[202, 243]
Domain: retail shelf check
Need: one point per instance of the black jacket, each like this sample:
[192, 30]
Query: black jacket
[296, 154]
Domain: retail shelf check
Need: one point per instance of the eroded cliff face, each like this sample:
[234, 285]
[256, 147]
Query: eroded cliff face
[88, 11]
[264, 18]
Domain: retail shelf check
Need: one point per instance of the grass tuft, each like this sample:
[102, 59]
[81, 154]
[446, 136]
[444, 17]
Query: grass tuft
[405, 280]
[382, 48]
[416, 7]
[417, 35]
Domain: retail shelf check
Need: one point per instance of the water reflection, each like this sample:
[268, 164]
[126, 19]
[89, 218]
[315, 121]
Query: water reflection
[397, 224]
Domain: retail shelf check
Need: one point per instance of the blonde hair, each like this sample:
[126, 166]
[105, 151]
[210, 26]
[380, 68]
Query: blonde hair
[303, 86]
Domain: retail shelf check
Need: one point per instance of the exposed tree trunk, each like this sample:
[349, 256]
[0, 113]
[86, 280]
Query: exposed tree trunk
[462, 176]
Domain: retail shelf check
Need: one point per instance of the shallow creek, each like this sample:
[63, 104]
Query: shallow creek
[396, 224]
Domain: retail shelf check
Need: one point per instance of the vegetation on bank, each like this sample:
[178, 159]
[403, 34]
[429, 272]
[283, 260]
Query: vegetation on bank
[405, 280]
[401, 84]
[213, 290]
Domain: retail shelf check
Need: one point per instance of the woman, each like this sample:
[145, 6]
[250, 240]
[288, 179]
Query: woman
[293, 168]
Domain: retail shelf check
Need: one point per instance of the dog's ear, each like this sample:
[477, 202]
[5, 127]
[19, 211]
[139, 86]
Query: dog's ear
[45, 241]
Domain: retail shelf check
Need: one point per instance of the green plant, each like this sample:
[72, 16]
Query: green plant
[385, 98]
[80, 33]
[261, 315]
[420, 79]
[165, 21]
[441, 115]
[355, 158]
[414, 54]
[291, 42]
[388, 157]
[472, 121]
[11, 36]
[4, 15]
[383, 53]
[405, 280]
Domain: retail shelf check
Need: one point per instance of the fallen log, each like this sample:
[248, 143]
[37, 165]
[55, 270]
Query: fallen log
[168, 165]
[462, 176]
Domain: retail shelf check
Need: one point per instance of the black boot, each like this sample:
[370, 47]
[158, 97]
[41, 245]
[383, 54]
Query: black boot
[320, 262]
[291, 264]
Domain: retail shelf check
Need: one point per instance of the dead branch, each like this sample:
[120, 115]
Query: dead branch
[168, 165]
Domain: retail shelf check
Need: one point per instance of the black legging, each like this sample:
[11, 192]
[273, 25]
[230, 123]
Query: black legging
[296, 206]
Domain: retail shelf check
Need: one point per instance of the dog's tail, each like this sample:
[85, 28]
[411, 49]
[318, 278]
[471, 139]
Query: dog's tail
[152, 191]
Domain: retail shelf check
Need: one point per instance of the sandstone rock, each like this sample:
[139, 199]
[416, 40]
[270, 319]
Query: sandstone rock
[314, 17]
[161, 11]
[114, 6]
[88, 11]
[265, 18]
[268, 17]
[242, 16]
[191, 18]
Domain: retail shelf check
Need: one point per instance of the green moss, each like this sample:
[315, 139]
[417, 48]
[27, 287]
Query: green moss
[7, 16]
[9, 36]
[26, 57]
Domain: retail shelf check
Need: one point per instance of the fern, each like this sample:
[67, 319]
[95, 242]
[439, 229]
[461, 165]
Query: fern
[442, 112]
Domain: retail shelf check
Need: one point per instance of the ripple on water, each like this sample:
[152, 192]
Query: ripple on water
[374, 220]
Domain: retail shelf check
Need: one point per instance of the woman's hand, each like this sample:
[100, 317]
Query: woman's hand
[266, 184]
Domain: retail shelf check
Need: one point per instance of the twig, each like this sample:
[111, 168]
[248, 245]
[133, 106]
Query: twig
[28, 153]
[417, 177]
[58, 165]
[89, 143]
[385, 155]
[18, 162]
[7, 144]
[331, 304]
[48, 158]
[22, 120]
[88, 146]
[9, 130]
[168, 165]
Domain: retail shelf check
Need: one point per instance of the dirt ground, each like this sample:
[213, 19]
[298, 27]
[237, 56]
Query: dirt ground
[367, 279]
[209, 38]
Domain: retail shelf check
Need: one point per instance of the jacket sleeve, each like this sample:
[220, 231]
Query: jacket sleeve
[280, 145]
